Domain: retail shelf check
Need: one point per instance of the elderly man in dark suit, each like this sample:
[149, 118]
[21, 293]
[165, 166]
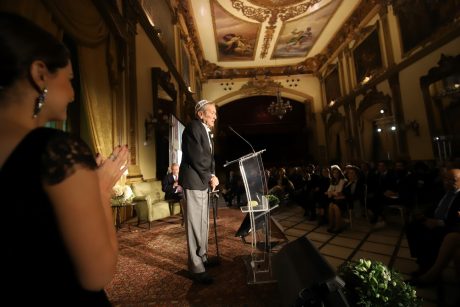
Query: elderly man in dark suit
[170, 184]
[425, 234]
[197, 171]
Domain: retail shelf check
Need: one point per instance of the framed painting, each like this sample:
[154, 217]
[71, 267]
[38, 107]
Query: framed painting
[368, 56]
[416, 26]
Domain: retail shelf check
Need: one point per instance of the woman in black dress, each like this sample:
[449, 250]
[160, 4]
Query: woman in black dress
[59, 242]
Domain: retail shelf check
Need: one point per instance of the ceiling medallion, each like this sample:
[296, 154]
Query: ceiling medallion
[284, 13]
[274, 11]
[274, 3]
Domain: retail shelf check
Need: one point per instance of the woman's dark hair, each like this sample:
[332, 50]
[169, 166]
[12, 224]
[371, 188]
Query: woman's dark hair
[21, 43]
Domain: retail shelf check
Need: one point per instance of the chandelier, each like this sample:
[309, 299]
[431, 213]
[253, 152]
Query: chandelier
[280, 107]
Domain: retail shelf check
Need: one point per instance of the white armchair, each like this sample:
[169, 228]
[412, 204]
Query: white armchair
[150, 203]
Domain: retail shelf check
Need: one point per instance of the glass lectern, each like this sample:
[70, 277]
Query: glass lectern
[257, 207]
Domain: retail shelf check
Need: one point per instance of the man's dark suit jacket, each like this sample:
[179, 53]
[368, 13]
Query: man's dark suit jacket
[197, 164]
[453, 218]
[167, 186]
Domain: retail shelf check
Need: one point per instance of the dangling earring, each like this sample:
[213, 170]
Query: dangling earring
[39, 102]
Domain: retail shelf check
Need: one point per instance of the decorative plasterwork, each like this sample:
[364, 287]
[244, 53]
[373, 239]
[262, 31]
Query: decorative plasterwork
[284, 13]
[350, 28]
[269, 31]
[260, 87]
[274, 11]
[274, 3]
[349, 31]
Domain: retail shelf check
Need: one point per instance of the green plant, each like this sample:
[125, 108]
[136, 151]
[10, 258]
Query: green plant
[272, 200]
[371, 283]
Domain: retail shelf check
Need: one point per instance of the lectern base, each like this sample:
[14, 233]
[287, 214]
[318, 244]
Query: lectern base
[259, 269]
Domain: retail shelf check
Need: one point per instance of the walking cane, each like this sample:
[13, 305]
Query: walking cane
[212, 201]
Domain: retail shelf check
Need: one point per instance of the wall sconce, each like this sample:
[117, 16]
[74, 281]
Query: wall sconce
[414, 126]
[366, 79]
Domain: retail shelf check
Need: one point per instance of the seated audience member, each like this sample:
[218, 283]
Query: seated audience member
[384, 192]
[312, 181]
[406, 185]
[354, 188]
[283, 188]
[424, 235]
[336, 198]
[449, 251]
[297, 177]
[320, 196]
[233, 187]
[170, 184]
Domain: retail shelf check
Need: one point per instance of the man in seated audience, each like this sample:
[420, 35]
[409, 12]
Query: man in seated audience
[170, 184]
[381, 192]
[233, 188]
[449, 251]
[424, 234]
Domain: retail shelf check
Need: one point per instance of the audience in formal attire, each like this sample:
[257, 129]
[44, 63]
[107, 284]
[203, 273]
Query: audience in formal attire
[321, 197]
[311, 187]
[425, 233]
[353, 190]
[449, 251]
[283, 188]
[234, 188]
[336, 199]
[170, 184]
[298, 179]
[381, 192]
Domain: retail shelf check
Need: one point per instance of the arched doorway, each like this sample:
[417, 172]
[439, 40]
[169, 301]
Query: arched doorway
[285, 140]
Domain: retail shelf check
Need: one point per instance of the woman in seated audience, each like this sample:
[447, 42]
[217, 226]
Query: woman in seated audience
[336, 199]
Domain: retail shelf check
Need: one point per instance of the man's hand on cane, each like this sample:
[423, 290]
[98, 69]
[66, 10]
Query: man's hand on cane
[214, 182]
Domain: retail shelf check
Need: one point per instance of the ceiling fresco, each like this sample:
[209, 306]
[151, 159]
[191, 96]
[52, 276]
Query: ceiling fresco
[244, 38]
[236, 39]
[297, 37]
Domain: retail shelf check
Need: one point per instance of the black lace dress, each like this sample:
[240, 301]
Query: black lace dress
[36, 266]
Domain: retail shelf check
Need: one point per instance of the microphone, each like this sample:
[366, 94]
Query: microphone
[229, 127]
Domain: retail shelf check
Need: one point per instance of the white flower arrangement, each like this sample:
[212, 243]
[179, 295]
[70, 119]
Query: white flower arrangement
[121, 195]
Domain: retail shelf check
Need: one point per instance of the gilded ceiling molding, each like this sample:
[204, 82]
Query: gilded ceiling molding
[260, 87]
[294, 11]
[272, 3]
[269, 31]
[348, 30]
[284, 13]
[184, 10]
[258, 14]
[309, 66]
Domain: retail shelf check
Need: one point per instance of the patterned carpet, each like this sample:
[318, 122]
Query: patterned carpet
[152, 268]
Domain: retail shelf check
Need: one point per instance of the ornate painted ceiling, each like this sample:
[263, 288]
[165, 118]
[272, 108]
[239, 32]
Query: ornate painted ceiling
[241, 38]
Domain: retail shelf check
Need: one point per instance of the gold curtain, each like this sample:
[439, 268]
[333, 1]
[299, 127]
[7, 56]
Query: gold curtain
[81, 20]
